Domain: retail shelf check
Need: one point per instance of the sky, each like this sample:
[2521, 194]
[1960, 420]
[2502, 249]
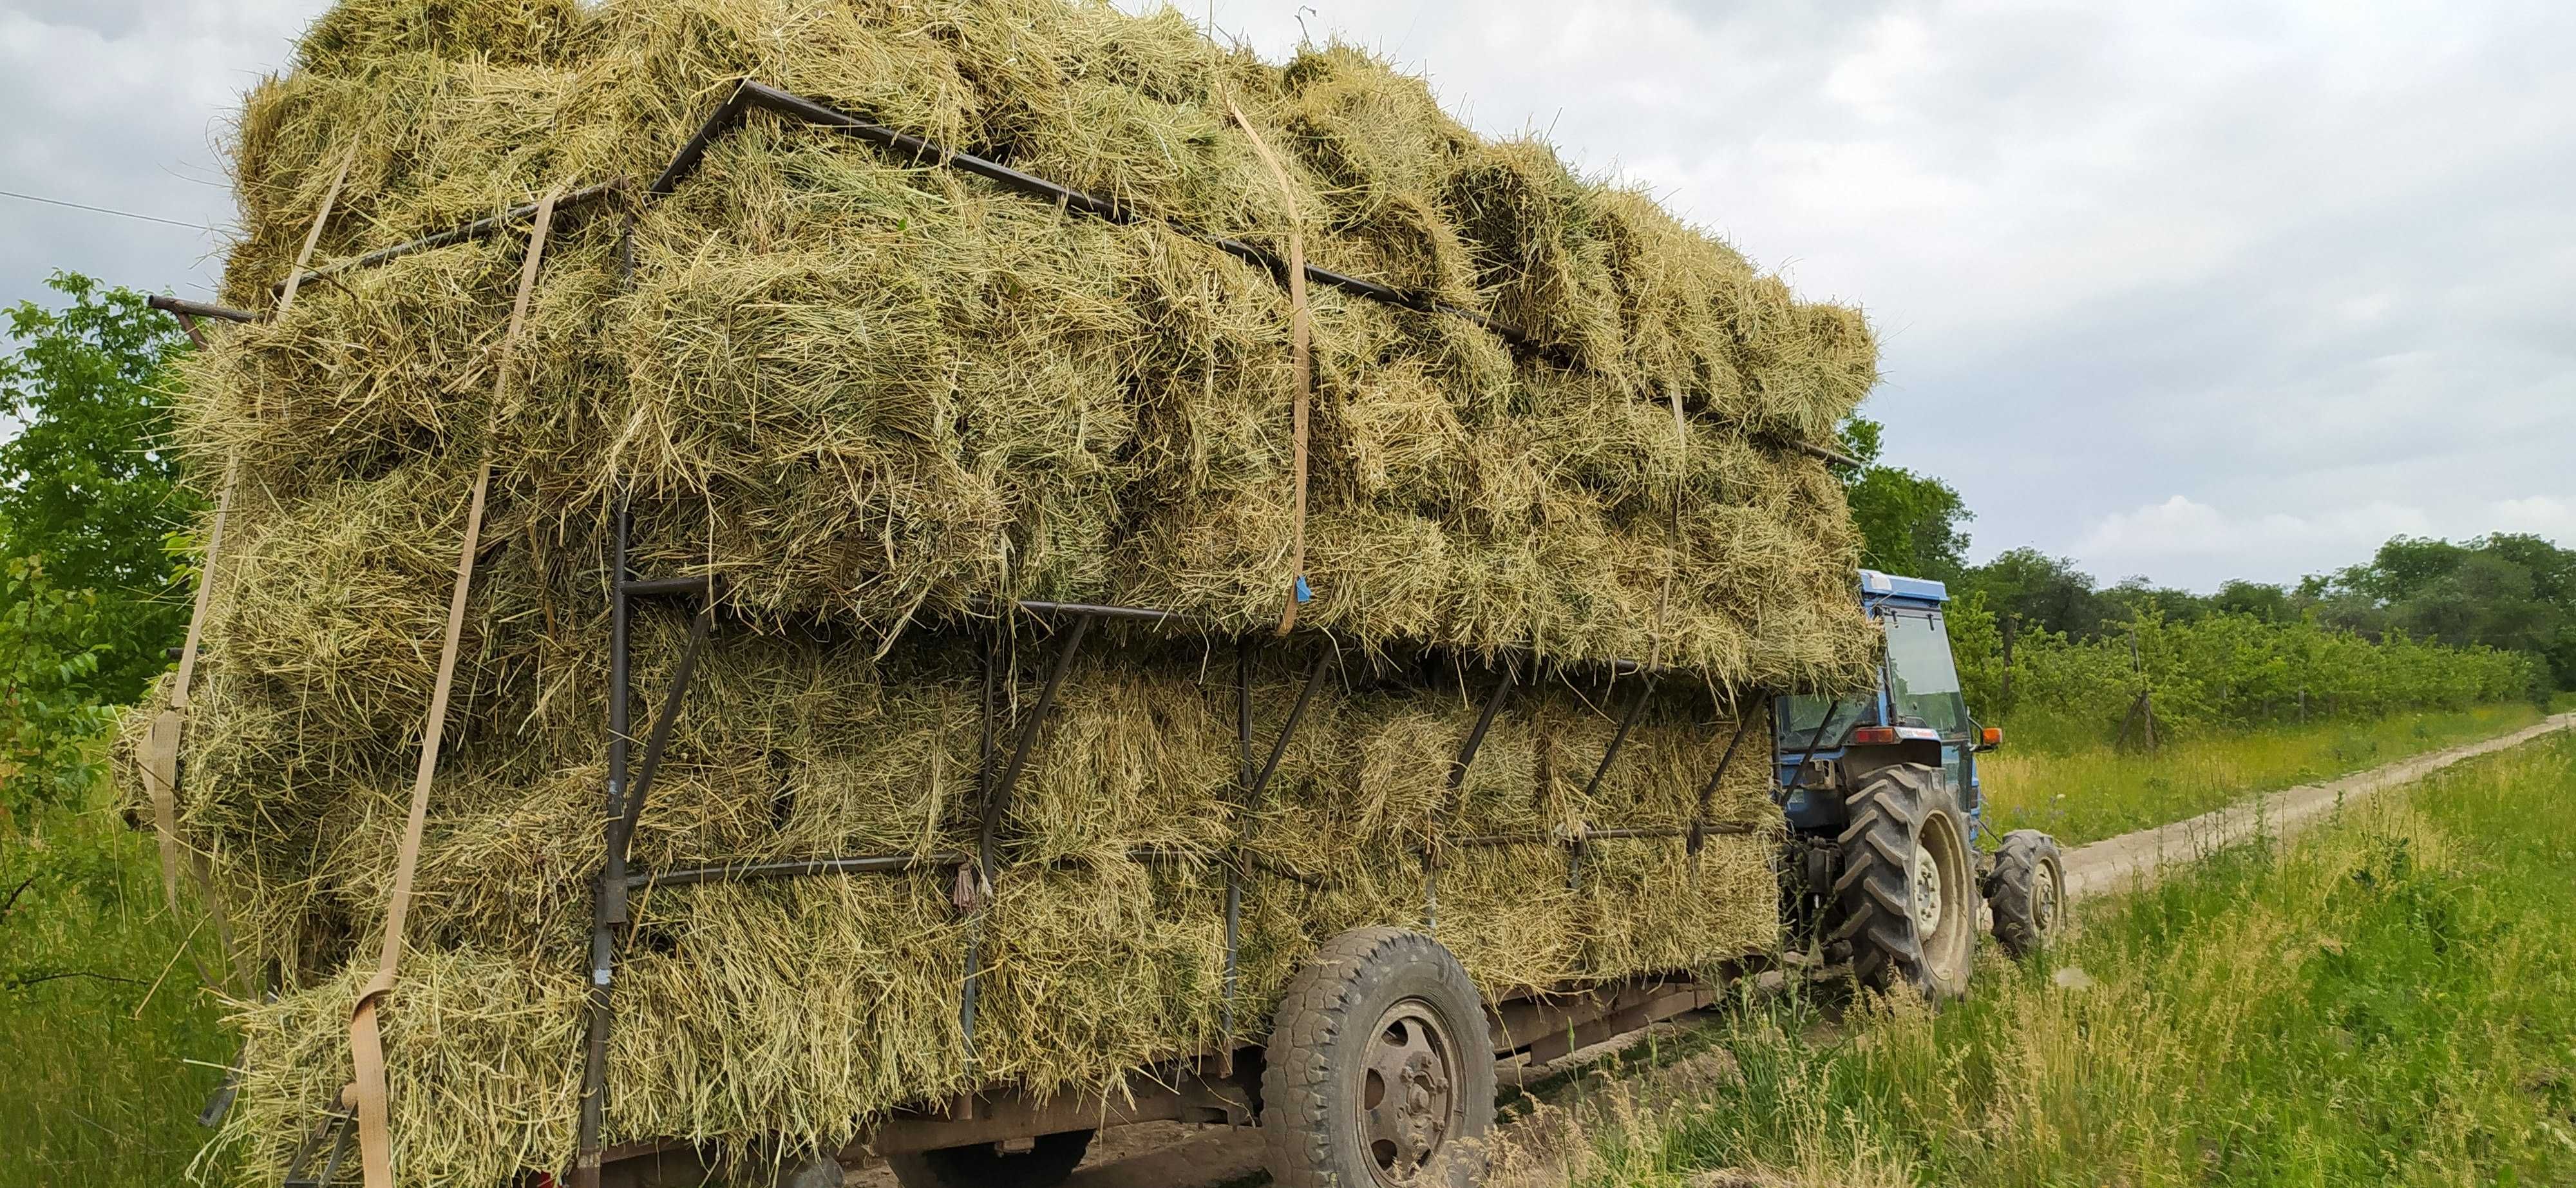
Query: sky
[2185, 290]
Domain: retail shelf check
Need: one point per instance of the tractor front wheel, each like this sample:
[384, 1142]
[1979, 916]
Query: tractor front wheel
[2027, 892]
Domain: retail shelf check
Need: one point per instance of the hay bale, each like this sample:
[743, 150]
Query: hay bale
[876, 397]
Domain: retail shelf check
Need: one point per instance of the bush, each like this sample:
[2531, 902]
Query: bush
[2219, 672]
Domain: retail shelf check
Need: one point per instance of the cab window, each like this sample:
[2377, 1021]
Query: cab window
[1923, 684]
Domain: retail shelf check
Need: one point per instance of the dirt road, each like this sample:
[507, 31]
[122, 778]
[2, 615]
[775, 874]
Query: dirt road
[2131, 859]
[1170, 1155]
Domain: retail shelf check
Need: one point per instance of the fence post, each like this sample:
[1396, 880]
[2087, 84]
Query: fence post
[2012, 624]
[2142, 712]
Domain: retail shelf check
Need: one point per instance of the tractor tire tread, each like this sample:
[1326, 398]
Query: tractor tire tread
[1887, 813]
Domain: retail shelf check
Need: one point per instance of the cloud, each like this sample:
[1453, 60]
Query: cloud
[2182, 528]
[124, 104]
[2305, 261]
[2187, 542]
[2540, 515]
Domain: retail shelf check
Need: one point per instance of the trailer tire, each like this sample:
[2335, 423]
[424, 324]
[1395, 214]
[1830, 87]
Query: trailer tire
[2028, 891]
[1906, 891]
[1379, 1069]
[984, 1165]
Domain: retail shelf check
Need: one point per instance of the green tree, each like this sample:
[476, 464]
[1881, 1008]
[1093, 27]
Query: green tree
[50, 713]
[2509, 591]
[1909, 523]
[89, 483]
[2042, 593]
[2137, 596]
[2268, 603]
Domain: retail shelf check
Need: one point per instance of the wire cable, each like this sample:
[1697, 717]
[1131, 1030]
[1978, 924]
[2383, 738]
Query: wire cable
[104, 210]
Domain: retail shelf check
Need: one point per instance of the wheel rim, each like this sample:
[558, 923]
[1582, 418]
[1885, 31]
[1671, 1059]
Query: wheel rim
[1408, 1102]
[2045, 893]
[1942, 920]
[1927, 891]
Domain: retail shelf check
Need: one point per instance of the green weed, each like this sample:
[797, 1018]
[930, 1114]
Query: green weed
[109, 1045]
[2090, 793]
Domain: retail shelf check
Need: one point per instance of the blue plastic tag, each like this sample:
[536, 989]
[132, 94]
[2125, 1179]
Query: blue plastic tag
[1304, 595]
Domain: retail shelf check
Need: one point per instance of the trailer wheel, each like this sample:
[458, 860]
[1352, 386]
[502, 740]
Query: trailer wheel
[1379, 1069]
[1907, 893]
[985, 1165]
[2028, 892]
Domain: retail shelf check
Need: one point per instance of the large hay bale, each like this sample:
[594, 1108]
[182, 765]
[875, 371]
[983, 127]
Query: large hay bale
[877, 398]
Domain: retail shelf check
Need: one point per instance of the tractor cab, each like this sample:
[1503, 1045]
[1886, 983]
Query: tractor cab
[1914, 713]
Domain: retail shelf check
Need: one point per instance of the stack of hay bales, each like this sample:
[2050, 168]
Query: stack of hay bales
[877, 398]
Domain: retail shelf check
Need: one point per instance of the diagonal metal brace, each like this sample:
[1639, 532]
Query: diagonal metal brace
[621, 832]
[1628, 721]
[997, 807]
[332, 1137]
[1253, 785]
[1458, 780]
[1699, 829]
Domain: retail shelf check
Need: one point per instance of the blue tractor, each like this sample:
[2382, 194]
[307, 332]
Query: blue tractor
[1883, 870]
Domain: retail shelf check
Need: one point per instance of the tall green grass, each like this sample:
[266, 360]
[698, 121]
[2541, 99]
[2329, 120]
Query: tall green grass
[2386, 1002]
[2089, 793]
[108, 1047]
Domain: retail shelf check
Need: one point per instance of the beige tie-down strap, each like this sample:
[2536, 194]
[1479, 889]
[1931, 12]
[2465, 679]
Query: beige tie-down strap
[366, 1039]
[1300, 362]
[161, 746]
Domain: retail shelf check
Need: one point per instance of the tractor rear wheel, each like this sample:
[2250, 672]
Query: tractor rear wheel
[1379, 1071]
[2027, 891]
[986, 1165]
[1907, 893]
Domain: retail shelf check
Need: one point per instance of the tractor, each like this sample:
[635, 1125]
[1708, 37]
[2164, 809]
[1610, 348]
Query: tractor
[1883, 872]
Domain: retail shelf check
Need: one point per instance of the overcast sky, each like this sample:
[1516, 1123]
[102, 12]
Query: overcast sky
[2193, 291]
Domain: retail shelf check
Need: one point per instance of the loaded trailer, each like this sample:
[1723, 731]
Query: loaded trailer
[1378, 1064]
[1240, 602]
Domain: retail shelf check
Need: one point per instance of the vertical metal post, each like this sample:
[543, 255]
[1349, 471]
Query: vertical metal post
[608, 899]
[1253, 783]
[970, 893]
[1457, 781]
[1234, 867]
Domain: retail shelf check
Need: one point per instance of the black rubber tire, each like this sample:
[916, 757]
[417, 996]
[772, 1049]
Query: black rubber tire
[1900, 808]
[983, 1166]
[2028, 892]
[1314, 1079]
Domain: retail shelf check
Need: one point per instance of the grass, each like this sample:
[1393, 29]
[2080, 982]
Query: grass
[2382, 1003]
[107, 1072]
[2095, 792]
[109, 1046]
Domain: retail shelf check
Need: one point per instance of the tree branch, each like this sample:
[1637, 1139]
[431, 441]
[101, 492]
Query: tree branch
[22, 981]
[11, 903]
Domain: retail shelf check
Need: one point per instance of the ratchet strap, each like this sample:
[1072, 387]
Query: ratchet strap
[161, 745]
[366, 1038]
[1300, 362]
